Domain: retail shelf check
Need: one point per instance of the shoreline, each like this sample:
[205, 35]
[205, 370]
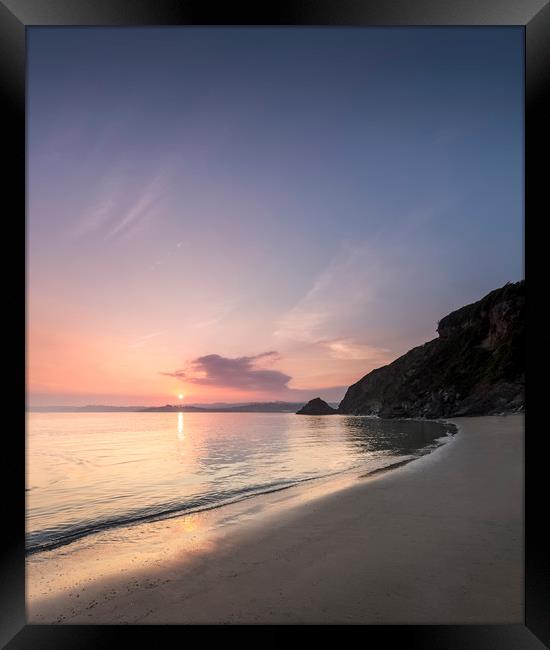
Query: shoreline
[432, 541]
[128, 521]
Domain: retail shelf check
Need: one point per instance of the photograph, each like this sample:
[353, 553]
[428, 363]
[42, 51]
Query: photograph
[275, 325]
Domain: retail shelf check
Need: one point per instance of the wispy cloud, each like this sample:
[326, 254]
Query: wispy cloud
[209, 322]
[347, 349]
[113, 214]
[98, 215]
[367, 284]
[216, 312]
[142, 340]
[140, 208]
[338, 290]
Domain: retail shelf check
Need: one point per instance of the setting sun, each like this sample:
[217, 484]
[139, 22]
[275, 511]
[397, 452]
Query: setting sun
[180, 396]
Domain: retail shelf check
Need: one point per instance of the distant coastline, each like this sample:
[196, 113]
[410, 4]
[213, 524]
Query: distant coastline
[249, 407]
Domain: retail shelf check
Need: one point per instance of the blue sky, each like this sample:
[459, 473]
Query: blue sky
[307, 202]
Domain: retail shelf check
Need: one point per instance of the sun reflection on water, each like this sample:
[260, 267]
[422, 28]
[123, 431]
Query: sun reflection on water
[132, 463]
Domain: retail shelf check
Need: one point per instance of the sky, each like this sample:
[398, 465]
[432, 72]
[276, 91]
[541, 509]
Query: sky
[250, 214]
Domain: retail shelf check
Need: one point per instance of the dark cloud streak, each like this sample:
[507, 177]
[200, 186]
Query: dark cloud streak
[240, 373]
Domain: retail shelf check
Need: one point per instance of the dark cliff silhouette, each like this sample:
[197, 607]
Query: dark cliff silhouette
[316, 406]
[476, 366]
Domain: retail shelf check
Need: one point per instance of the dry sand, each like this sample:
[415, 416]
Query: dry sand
[439, 540]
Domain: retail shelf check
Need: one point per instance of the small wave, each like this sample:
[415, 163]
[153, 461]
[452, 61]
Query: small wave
[387, 468]
[50, 539]
[57, 536]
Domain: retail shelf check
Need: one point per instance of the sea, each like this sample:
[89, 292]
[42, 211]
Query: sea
[89, 472]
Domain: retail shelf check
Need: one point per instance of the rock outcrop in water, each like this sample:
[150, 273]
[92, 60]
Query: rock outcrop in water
[316, 406]
[475, 367]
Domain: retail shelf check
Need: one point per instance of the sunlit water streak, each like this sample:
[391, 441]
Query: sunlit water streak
[89, 472]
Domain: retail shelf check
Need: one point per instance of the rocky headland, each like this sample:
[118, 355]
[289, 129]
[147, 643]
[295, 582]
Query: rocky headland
[317, 406]
[476, 366]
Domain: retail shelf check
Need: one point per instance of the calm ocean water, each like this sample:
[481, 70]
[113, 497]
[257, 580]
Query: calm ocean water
[89, 472]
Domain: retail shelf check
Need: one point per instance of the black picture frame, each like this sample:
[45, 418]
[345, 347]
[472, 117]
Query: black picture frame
[534, 16]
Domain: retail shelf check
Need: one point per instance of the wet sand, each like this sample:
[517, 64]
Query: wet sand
[438, 540]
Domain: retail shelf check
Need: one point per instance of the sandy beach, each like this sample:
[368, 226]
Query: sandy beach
[439, 540]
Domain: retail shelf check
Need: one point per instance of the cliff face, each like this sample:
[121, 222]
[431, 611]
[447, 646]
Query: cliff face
[475, 367]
